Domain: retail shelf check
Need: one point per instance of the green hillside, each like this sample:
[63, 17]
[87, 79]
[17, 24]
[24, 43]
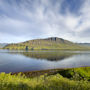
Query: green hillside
[45, 44]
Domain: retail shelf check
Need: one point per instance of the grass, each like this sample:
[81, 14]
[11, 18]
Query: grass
[82, 73]
[71, 79]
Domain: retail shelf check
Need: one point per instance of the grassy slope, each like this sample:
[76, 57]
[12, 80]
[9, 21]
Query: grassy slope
[45, 44]
[48, 82]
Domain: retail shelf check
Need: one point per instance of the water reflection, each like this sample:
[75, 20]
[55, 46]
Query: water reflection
[50, 56]
[21, 61]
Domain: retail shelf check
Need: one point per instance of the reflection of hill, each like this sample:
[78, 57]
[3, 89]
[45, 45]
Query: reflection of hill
[51, 56]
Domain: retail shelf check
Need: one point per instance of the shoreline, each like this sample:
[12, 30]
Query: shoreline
[42, 72]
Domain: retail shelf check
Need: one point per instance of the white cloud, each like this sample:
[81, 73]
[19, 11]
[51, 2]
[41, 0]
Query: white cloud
[31, 19]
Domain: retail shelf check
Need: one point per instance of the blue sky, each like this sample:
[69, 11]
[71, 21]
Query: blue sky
[22, 20]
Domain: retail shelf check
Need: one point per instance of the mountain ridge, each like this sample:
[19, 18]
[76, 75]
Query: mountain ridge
[44, 44]
[84, 44]
[2, 45]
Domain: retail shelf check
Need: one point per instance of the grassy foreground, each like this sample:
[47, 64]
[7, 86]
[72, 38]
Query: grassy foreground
[71, 79]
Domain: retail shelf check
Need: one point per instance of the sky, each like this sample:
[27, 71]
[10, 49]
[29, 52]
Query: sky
[22, 20]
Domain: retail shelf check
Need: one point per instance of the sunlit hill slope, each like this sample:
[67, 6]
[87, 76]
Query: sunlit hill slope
[45, 44]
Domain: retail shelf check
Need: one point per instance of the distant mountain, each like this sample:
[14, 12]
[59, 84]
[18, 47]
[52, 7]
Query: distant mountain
[45, 44]
[84, 44]
[2, 45]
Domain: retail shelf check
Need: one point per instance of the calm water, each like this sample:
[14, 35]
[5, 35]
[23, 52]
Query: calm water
[21, 61]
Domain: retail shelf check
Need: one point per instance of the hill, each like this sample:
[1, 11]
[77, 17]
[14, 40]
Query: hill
[84, 44]
[2, 45]
[45, 44]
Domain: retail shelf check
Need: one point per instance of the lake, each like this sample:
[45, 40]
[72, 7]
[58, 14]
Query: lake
[22, 61]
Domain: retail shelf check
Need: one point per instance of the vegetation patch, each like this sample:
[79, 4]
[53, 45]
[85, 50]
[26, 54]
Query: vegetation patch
[59, 80]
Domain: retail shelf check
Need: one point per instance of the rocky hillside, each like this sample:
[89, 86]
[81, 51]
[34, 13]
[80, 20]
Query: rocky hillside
[44, 44]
